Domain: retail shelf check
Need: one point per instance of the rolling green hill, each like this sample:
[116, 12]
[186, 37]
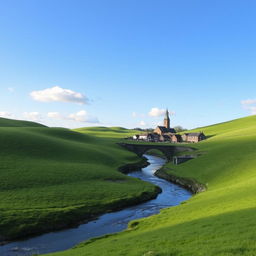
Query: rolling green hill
[54, 177]
[5, 122]
[218, 222]
[113, 132]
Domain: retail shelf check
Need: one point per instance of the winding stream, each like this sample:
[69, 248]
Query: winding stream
[108, 223]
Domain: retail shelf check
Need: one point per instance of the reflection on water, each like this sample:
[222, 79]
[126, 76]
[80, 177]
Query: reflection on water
[108, 223]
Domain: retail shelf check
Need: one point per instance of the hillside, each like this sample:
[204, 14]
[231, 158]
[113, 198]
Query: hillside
[220, 221]
[55, 177]
[6, 122]
[112, 132]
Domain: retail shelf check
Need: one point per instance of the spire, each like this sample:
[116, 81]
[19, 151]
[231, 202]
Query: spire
[167, 119]
[167, 113]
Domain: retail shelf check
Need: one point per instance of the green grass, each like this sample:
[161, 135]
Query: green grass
[5, 122]
[218, 222]
[51, 176]
[112, 132]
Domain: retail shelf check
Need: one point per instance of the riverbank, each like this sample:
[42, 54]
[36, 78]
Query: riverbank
[131, 167]
[187, 183]
[107, 223]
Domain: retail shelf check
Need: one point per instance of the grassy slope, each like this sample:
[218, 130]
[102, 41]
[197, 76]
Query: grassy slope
[220, 221]
[5, 122]
[51, 176]
[109, 132]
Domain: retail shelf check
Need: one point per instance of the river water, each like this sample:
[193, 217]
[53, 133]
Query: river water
[108, 223]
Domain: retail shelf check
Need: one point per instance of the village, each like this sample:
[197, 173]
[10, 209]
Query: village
[166, 134]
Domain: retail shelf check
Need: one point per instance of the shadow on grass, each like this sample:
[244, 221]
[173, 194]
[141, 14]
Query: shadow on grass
[210, 136]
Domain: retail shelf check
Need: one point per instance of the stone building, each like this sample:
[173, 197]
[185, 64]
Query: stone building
[175, 138]
[165, 130]
[193, 137]
[152, 137]
[164, 138]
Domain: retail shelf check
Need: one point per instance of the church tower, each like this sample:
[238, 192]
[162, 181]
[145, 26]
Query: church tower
[167, 120]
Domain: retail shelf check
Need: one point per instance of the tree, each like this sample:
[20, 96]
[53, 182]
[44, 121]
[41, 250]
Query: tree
[179, 128]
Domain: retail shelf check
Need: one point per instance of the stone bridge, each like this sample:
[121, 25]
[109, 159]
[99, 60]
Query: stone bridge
[167, 150]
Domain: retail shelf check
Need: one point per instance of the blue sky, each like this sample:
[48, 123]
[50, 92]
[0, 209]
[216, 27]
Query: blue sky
[198, 58]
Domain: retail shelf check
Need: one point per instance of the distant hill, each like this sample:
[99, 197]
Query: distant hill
[101, 131]
[6, 122]
[104, 129]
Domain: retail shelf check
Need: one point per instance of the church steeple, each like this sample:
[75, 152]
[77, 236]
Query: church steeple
[167, 120]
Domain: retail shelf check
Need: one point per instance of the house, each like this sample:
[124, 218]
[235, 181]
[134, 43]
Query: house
[193, 137]
[164, 138]
[143, 136]
[154, 137]
[175, 138]
[135, 137]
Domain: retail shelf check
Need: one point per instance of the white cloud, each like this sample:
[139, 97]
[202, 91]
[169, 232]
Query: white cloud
[83, 116]
[80, 116]
[142, 123]
[33, 116]
[55, 115]
[59, 94]
[156, 112]
[5, 114]
[248, 102]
